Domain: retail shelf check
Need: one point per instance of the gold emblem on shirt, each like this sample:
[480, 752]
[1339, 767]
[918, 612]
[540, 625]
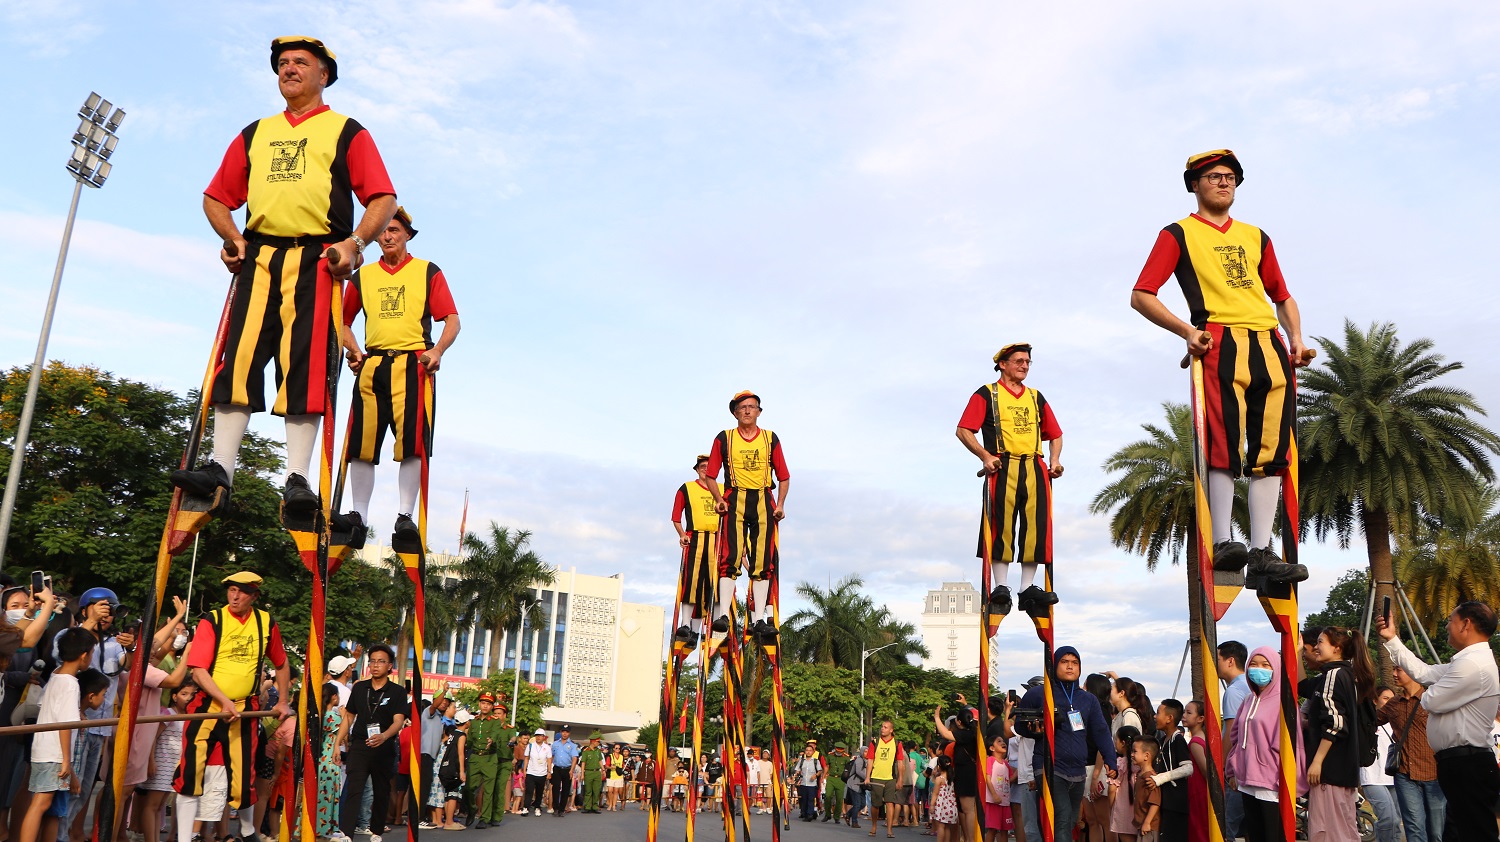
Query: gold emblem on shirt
[1236, 267]
[392, 302]
[289, 160]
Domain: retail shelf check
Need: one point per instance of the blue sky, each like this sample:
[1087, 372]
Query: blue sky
[848, 207]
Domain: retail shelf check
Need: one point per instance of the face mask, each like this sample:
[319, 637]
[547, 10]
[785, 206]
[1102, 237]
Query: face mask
[179, 642]
[1259, 676]
[15, 615]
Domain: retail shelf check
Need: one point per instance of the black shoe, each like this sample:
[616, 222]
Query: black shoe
[721, 624]
[352, 525]
[826, 818]
[1230, 556]
[203, 481]
[684, 634]
[1000, 600]
[1034, 598]
[405, 526]
[764, 632]
[482, 826]
[297, 496]
[1267, 567]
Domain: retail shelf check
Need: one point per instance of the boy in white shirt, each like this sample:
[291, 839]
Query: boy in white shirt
[51, 751]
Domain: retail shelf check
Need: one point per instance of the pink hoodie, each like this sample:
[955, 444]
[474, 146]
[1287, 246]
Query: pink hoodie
[1254, 757]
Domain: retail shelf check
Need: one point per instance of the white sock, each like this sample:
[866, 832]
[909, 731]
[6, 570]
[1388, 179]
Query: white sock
[186, 810]
[999, 575]
[361, 486]
[685, 614]
[696, 624]
[1265, 493]
[1221, 503]
[410, 480]
[301, 438]
[761, 590]
[726, 596]
[1028, 575]
[247, 821]
[230, 424]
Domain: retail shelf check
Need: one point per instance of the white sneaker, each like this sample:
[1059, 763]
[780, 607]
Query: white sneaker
[537, 811]
[374, 837]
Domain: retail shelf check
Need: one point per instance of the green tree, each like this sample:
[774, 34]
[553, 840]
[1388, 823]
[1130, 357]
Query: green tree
[1443, 565]
[1154, 507]
[528, 708]
[840, 624]
[1382, 438]
[395, 592]
[495, 582]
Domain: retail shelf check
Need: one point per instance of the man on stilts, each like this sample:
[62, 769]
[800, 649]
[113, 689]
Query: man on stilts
[400, 297]
[695, 516]
[1014, 419]
[753, 463]
[1231, 279]
[295, 172]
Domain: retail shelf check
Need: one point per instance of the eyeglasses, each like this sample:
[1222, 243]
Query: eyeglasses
[379, 662]
[1225, 178]
[1014, 361]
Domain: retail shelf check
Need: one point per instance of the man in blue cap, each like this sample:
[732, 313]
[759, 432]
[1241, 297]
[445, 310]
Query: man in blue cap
[1076, 718]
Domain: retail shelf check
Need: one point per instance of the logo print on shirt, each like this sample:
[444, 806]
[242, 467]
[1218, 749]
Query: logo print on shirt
[392, 302]
[708, 507]
[1236, 267]
[289, 160]
[239, 649]
[750, 460]
[1020, 419]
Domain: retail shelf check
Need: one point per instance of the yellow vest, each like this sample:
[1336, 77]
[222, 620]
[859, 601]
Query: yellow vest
[700, 512]
[395, 305]
[291, 187]
[749, 461]
[1220, 274]
[883, 767]
[238, 650]
[1018, 420]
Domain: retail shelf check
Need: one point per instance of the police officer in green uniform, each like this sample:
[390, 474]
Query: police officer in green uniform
[489, 740]
[505, 746]
[833, 785]
[592, 759]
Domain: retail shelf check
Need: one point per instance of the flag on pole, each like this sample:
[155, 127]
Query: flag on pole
[463, 522]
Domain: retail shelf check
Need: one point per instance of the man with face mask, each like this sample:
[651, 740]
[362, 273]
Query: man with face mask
[1076, 719]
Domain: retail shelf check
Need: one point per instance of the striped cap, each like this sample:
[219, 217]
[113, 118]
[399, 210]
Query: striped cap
[1197, 164]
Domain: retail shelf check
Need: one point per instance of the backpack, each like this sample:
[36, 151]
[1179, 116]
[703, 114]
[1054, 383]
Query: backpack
[1367, 747]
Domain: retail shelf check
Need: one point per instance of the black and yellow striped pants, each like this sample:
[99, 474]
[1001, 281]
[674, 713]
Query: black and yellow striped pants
[700, 566]
[390, 395]
[237, 742]
[747, 533]
[1247, 402]
[1016, 524]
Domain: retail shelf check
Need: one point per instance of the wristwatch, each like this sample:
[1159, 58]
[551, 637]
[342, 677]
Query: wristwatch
[358, 243]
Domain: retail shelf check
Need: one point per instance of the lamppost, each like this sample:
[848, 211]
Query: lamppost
[863, 655]
[93, 145]
[515, 693]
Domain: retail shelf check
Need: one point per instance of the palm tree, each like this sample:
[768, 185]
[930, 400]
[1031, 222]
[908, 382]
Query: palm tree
[1155, 507]
[1443, 567]
[1382, 439]
[401, 596]
[494, 583]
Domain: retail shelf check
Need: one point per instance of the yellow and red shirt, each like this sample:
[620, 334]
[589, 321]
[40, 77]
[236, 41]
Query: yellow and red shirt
[748, 463]
[296, 174]
[399, 303]
[883, 755]
[1226, 272]
[697, 502]
[231, 649]
[1010, 422]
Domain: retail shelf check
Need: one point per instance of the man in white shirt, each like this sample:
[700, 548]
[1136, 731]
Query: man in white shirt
[1461, 698]
[538, 767]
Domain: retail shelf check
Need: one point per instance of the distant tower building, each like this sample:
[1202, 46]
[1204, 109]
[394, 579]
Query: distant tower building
[950, 628]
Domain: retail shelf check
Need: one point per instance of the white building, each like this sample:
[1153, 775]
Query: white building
[600, 655]
[950, 628]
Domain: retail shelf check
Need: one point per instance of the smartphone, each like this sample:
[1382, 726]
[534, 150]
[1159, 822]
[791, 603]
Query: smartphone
[38, 582]
[47, 580]
[1385, 610]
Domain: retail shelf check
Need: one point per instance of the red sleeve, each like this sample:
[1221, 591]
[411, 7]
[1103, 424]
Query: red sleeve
[439, 299]
[1050, 430]
[231, 184]
[679, 503]
[1270, 275]
[274, 650]
[870, 751]
[716, 456]
[204, 646]
[1161, 263]
[778, 462]
[900, 750]
[367, 173]
[352, 302]
[973, 417]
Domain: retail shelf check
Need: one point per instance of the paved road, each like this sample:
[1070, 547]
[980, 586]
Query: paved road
[629, 825]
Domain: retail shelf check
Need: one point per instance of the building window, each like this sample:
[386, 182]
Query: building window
[461, 653]
[442, 662]
[480, 660]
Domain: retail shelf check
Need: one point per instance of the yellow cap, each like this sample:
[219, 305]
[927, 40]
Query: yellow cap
[312, 45]
[405, 219]
[1010, 349]
[244, 577]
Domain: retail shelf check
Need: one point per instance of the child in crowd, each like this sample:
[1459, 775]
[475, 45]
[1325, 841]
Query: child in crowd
[162, 767]
[944, 804]
[1193, 719]
[1146, 814]
[328, 764]
[52, 772]
[998, 777]
[517, 790]
[452, 770]
[679, 788]
[1122, 788]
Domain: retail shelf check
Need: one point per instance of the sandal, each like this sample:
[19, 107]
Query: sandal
[872, 830]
